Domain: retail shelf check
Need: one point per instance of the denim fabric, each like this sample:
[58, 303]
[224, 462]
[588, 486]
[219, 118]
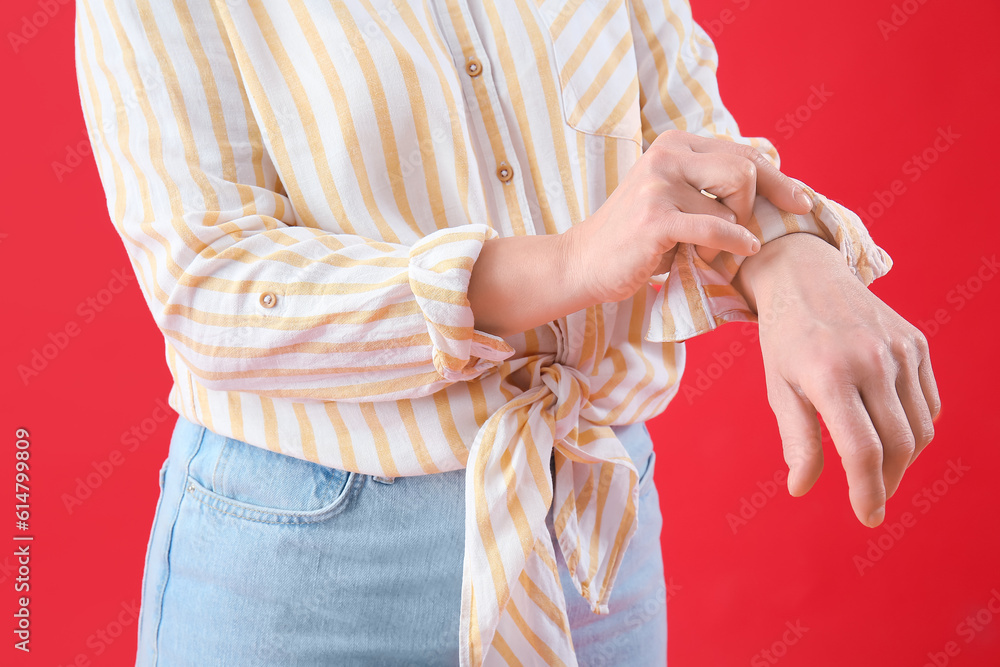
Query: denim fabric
[257, 558]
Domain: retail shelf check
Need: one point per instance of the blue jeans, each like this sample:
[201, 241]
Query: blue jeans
[256, 558]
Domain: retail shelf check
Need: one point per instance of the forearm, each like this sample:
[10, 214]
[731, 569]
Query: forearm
[521, 282]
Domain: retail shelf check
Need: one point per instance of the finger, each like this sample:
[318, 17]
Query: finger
[696, 201]
[801, 438]
[781, 190]
[859, 447]
[894, 430]
[917, 408]
[730, 177]
[708, 255]
[692, 200]
[928, 385]
[707, 230]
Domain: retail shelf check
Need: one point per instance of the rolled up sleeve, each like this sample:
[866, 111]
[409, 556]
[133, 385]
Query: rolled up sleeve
[677, 64]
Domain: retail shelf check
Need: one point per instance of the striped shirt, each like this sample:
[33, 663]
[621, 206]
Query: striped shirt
[303, 189]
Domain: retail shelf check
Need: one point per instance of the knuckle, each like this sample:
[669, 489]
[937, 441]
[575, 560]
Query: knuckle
[825, 390]
[904, 347]
[926, 433]
[654, 153]
[935, 400]
[759, 160]
[828, 373]
[903, 442]
[666, 137]
[874, 354]
[746, 150]
[866, 452]
[763, 162]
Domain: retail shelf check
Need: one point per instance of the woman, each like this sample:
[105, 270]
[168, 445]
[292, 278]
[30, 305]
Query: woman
[379, 449]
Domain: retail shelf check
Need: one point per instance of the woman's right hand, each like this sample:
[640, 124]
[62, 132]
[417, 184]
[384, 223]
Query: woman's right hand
[659, 204]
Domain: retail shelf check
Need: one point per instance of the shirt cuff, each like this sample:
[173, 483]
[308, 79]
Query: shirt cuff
[440, 267]
[697, 297]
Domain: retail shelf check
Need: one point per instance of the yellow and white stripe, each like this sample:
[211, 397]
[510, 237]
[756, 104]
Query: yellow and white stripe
[303, 189]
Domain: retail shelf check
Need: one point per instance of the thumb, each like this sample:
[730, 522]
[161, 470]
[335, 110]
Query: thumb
[801, 438]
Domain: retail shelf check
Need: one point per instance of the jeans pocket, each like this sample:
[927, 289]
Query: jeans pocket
[257, 484]
[645, 482]
[595, 58]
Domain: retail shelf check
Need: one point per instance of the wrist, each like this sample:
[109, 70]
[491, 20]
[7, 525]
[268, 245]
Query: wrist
[521, 282]
[573, 269]
[794, 256]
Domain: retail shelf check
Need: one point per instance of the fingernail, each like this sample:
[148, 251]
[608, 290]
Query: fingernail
[875, 518]
[802, 198]
[755, 245]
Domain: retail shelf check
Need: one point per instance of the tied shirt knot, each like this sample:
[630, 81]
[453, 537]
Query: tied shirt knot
[509, 567]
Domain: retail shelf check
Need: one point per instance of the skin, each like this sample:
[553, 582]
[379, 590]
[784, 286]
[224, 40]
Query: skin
[835, 347]
[828, 345]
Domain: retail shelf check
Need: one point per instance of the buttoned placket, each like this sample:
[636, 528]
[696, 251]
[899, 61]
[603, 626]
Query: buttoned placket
[501, 173]
[473, 64]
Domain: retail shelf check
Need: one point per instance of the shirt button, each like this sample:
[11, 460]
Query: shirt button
[473, 67]
[268, 300]
[505, 172]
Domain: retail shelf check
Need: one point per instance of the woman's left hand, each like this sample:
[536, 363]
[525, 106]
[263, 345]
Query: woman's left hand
[831, 345]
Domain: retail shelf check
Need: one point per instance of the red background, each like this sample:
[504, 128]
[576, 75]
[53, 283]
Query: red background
[733, 585]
